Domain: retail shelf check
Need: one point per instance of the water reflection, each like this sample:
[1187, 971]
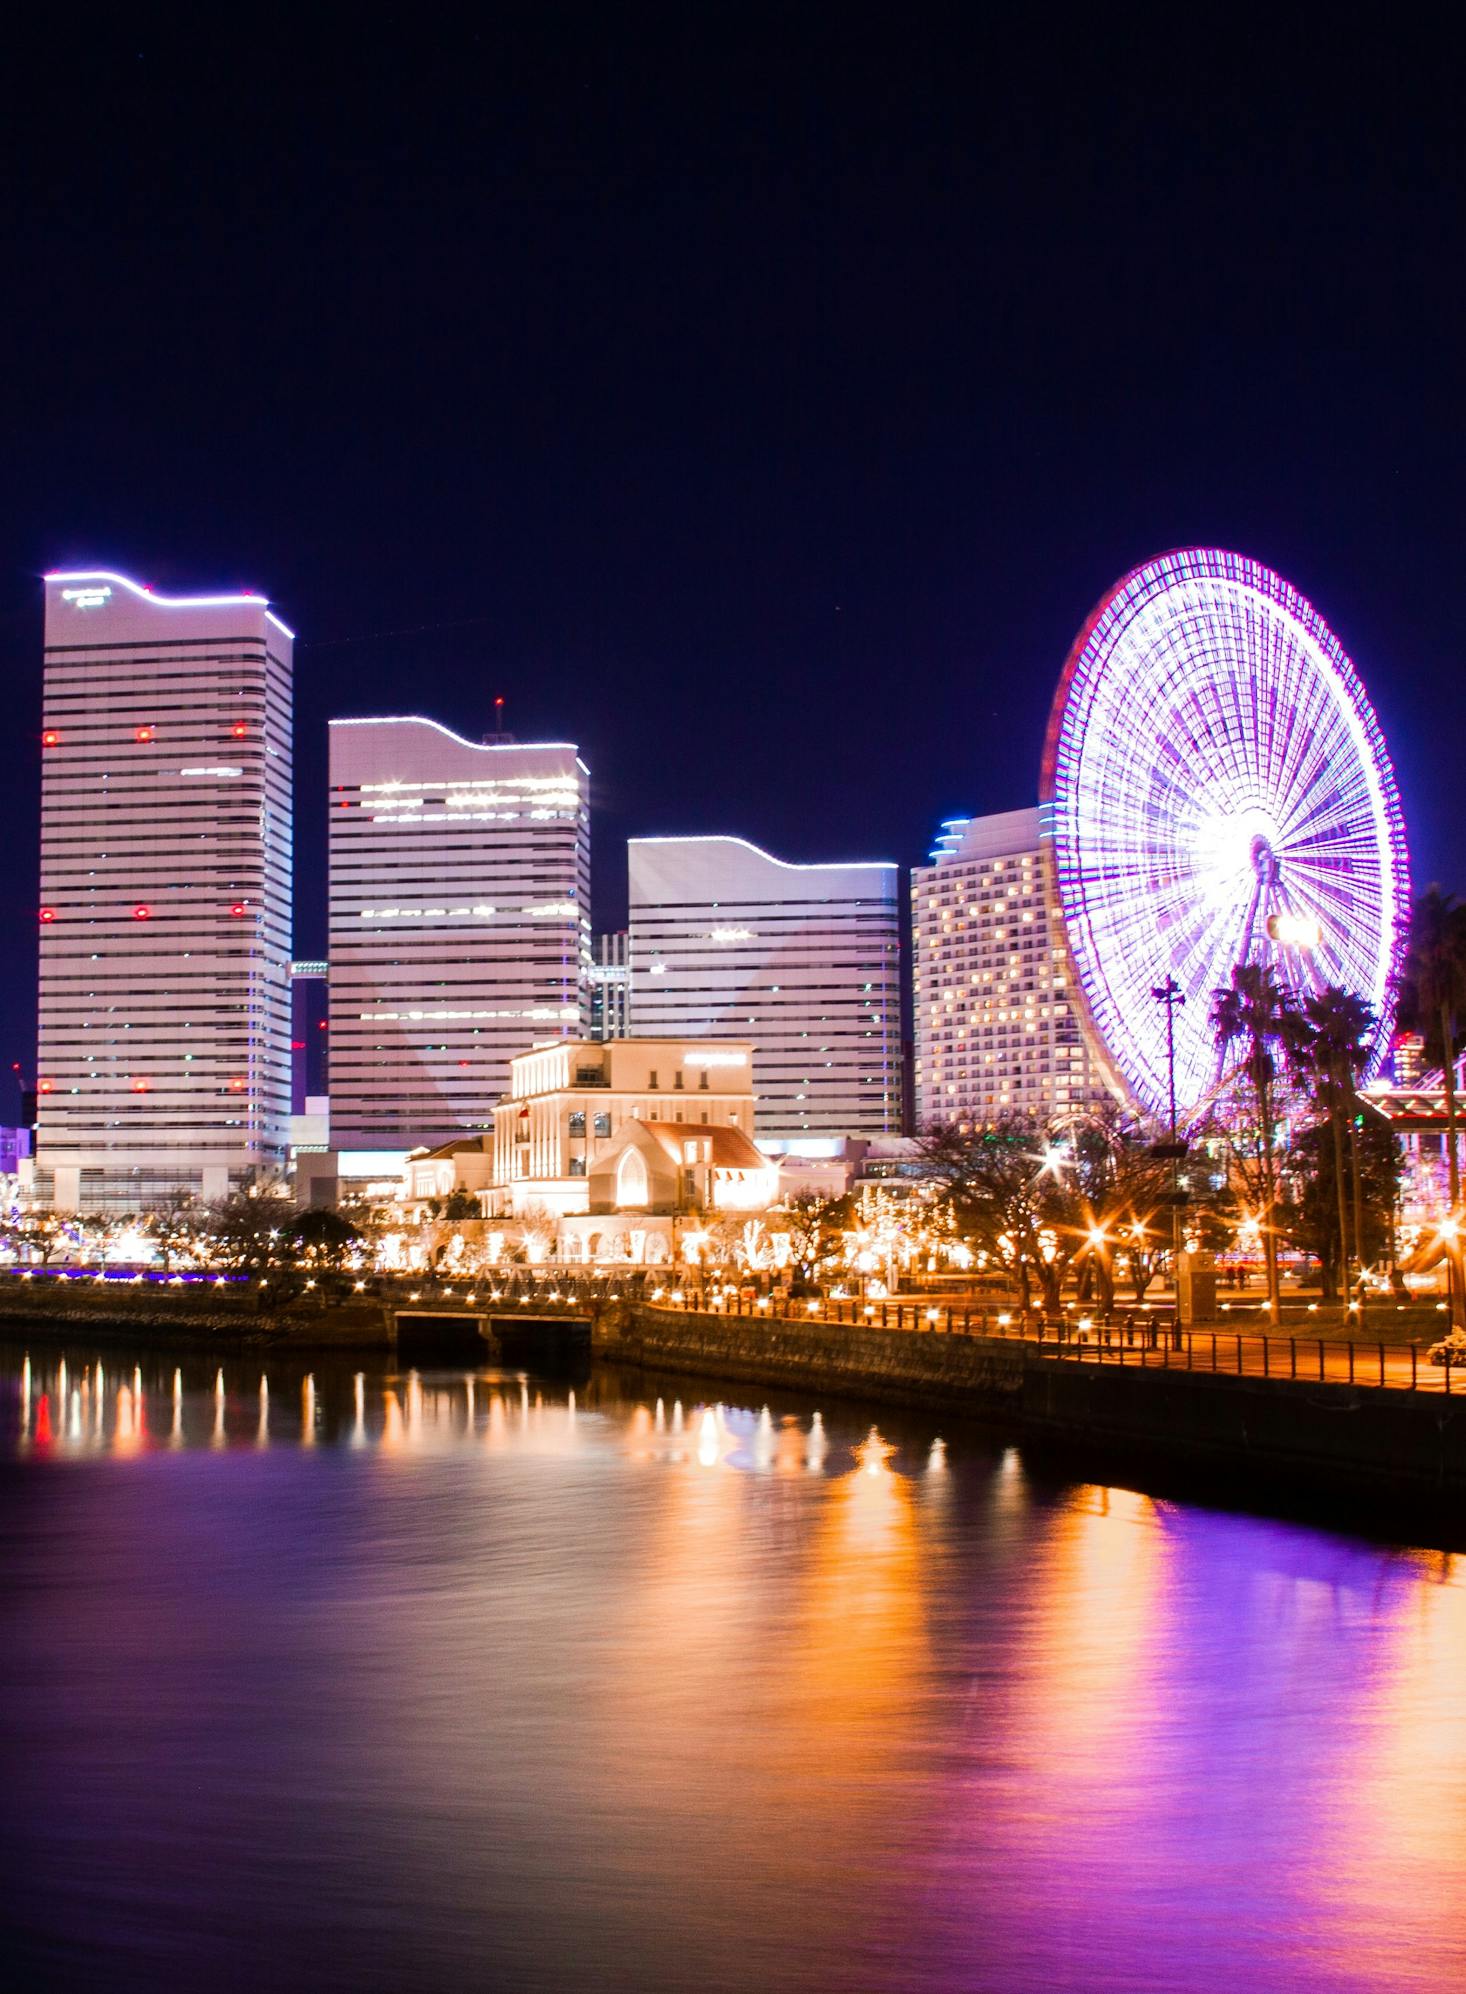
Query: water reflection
[429, 1680]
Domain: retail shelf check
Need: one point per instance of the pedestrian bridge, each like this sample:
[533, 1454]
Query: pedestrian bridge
[551, 1336]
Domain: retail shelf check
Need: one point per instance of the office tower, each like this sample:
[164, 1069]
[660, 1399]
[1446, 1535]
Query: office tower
[804, 960]
[995, 1029]
[164, 1050]
[610, 987]
[309, 1035]
[459, 924]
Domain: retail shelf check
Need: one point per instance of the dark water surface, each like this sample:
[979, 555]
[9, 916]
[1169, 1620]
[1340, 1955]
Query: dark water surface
[458, 1681]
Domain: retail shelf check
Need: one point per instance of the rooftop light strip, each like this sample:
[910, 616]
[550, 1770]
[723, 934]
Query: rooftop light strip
[784, 865]
[243, 598]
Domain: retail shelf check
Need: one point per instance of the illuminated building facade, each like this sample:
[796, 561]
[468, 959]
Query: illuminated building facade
[164, 1044]
[630, 1125]
[996, 1030]
[309, 1035]
[459, 923]
[610, 987]
[804, 960]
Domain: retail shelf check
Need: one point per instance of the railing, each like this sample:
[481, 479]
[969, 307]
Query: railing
[1142, 1338]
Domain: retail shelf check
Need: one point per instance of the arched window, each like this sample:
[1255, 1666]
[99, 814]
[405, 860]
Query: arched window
[631, 1179]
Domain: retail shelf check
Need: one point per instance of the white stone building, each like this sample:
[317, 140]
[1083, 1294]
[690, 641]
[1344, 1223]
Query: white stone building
[629, 1124]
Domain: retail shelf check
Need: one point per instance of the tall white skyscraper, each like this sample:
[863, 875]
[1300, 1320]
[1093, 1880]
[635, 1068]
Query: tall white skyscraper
[995, 1030]
[459, 925]
[164, 1045]
[804, 960]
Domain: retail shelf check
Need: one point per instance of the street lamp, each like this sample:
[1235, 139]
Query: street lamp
[1170, 994]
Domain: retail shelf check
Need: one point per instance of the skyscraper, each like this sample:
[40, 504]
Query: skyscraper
[804, 960]
[164, 1047]
[995, 1030]
[610, 986]
[459, 924]
[310, 1024]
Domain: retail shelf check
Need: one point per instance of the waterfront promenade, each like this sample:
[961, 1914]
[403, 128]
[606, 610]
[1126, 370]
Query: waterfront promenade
[1311, 1347]
[1338, 1414]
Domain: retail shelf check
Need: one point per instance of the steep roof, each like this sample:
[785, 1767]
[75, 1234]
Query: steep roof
[731, 1149]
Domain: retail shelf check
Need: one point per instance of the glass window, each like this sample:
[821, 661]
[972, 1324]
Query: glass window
[577, 1121]
[603, 1124]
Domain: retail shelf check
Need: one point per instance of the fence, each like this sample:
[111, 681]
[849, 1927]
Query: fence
[1141, 1337]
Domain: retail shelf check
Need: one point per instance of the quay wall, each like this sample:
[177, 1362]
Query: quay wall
[1336, 1434]
[187, 1317]
[1321, 1434]
[903, 1366]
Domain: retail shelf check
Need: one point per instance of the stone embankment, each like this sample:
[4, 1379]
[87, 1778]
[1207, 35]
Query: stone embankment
[1325, 1434]
[1329, 1434]
[188, 1316]
[902, 1366]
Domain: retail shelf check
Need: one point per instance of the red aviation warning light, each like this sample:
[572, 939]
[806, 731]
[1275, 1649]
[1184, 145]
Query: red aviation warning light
[139, 1086]
[141, 913]
[50, 739]
[145, 734]
[240, 730]
[48, 913]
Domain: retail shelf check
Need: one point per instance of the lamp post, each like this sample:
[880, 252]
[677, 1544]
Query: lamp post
[1170, 994]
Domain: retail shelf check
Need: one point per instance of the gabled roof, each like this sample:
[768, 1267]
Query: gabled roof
[454, 1147]
[731, 1149]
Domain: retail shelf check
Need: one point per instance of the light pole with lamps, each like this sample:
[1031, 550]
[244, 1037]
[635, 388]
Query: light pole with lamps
[1171, 994]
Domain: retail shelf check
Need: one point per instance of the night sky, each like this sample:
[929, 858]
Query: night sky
[760, 399]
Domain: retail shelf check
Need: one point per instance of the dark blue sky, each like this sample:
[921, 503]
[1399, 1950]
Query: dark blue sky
[761, 398]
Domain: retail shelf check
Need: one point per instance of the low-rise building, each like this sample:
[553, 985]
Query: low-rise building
[629, 1124]
[433, 1175]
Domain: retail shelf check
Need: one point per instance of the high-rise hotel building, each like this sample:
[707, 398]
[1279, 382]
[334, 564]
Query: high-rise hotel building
[803, 960]
[164, 1046]
[459, 923]
[996, 1032]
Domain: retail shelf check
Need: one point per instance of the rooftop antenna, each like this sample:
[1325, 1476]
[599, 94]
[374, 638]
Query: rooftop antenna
[499, 738]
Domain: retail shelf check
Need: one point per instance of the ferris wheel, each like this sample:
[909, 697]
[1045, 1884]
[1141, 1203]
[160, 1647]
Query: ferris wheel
[1216, 790]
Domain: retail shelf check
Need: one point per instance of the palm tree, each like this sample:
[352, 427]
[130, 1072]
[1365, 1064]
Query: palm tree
[1330, 1044]
[1255, 1010]
[1435, 993]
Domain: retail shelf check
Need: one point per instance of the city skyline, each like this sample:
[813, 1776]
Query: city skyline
[430, 1002]
[809, 401]
[609, 903]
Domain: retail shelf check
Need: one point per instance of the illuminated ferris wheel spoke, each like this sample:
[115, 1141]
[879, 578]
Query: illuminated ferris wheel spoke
[1213, 766]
